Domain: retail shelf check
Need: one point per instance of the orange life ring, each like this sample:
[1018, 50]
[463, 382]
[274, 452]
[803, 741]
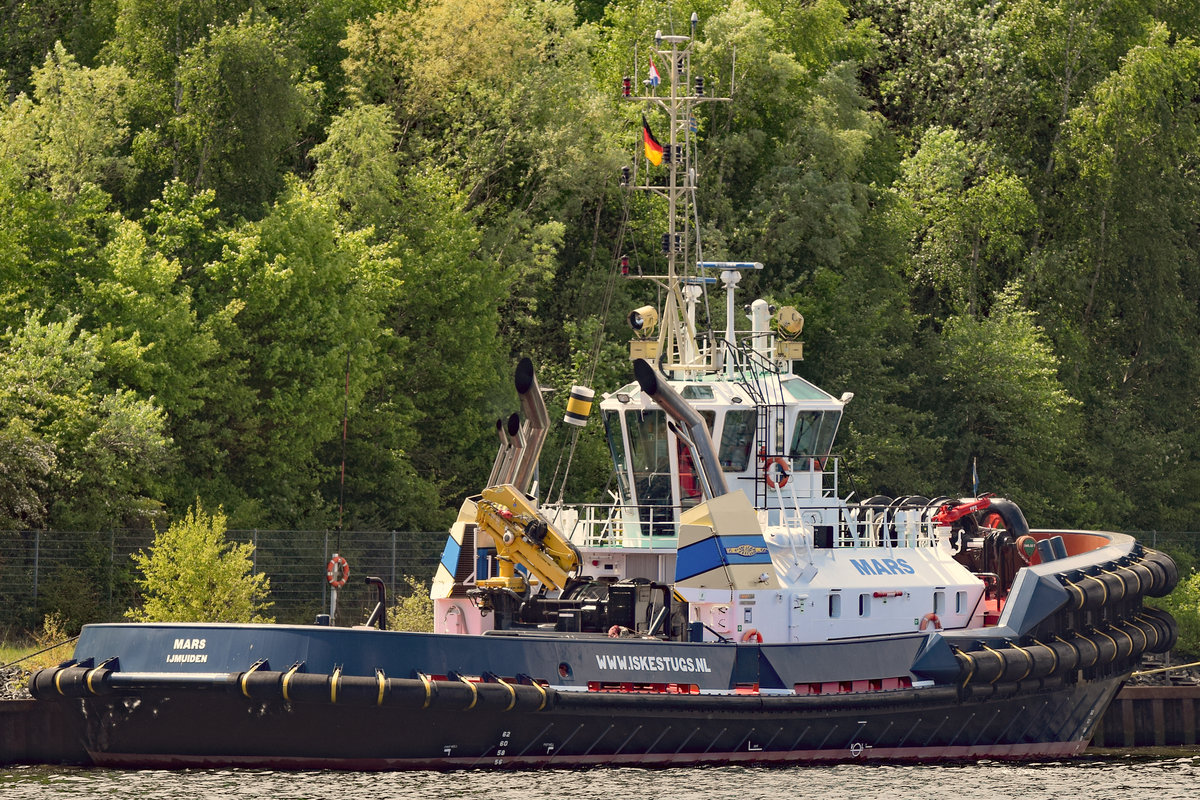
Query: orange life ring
[337, 571]
[931, 618]
[769, 474]
[752, 634]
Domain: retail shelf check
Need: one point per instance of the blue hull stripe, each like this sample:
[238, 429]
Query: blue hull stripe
[719, 551]
[696, 559]
[450, 554]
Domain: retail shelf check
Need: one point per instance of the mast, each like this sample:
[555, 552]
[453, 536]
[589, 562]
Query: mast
[679, 95]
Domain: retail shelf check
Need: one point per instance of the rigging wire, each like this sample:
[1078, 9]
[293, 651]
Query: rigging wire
[568, 448]
[598, 341]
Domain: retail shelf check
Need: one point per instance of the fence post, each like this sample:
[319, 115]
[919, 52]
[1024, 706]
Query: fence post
[393, 564]
[37, 541]
[112, 560]
[254, 554]
[325, 584]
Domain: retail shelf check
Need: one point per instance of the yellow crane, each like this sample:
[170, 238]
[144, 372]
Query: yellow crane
[523, 536]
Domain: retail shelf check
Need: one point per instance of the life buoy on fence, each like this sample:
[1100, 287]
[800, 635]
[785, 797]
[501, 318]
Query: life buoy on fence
[337, 571]
[752, 635]
[931, 619]
[769, 473]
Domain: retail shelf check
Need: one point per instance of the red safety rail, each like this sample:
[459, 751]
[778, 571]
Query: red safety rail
[948, 513]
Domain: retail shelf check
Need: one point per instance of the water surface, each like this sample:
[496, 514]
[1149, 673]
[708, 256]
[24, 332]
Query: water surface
[1117, 778]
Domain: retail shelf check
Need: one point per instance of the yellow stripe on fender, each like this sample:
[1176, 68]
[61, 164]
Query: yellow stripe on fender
[428, 689]
[511, 691]
[246, 677]
[474, 693]
[287, 677]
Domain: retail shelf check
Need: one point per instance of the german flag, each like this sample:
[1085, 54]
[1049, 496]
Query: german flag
[654, 150]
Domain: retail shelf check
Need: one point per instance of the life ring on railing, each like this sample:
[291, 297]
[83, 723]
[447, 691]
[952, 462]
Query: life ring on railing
[931, 619]
[337, 571]
[769, 473]
[752, 634]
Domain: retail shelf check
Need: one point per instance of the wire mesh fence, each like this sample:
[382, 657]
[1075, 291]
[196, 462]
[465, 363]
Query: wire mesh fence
[89, 576]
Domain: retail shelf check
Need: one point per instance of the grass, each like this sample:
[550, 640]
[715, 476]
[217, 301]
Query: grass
[11, 651]
[52, 633]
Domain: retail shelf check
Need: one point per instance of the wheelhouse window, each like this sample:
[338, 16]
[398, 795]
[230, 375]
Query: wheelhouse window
[616, 445]
[737, 439]
[651, 463]
[694, 391]
[813, 434]
[690, 488]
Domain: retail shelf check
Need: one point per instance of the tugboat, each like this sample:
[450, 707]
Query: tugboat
[729, 605]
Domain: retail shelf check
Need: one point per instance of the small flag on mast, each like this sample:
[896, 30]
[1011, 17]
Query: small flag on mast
[654, 150]
[975, 476]
[655, 80]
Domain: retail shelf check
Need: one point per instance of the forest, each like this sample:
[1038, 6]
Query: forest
[229, 225]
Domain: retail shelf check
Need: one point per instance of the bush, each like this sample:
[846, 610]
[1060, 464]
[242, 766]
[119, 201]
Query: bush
[194, 574]
[1184, 605]
[413, 611]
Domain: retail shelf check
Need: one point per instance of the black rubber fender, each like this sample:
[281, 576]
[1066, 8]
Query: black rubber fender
[1106, 646]
[1089, 653]
[1114, 582]
[1137, 578]
[1067, 653]
[260, 685]
[1087, 592]
[1158, 577]
[1166, 624]
[1170, 573]
[1137, 634]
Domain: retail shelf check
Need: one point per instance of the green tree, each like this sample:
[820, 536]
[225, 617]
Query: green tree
[29, 30]
[1002, 403]
[293, 305]
[194, 574]
[84, 457]
[245, 99]
[969, 221]
[1184, 605]
[75, 128]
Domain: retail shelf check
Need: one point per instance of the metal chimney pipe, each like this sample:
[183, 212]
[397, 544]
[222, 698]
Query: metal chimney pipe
[501, 455]
[516, 443]
[537, 425]
[654, 384]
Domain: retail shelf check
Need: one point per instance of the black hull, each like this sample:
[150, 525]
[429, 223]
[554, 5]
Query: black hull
[221, 728]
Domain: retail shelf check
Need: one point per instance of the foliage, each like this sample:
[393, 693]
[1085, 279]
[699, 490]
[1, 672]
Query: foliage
[72, 131]
[193, 574]
[1184, 605]
[227, 226]
[1009, 412]
[55, 637]
[414, 610]
[245, 98]
[82, 457]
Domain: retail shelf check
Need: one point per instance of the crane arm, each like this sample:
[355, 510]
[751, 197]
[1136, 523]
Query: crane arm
[523, 536]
